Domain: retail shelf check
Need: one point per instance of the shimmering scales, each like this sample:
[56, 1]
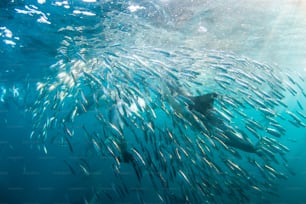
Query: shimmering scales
[137, 105]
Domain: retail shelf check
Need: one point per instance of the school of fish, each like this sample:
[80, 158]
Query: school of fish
[127, 102]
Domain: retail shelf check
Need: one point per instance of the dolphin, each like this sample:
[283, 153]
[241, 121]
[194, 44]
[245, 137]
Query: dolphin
[204, 104]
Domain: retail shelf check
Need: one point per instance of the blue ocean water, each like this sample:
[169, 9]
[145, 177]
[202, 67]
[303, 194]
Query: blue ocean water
[49, 45]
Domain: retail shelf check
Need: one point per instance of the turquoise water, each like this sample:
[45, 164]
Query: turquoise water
[80, 78]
